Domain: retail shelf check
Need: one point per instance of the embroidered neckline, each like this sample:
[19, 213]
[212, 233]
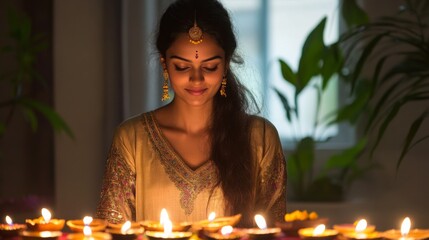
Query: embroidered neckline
[190, 182]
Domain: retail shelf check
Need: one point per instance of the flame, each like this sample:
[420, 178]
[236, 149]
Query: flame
[260, 221]
[87, 231]
[125, 227]
[212, 216]
[361, 226]
[319, 230]
[164, 216]
[168, 226]
[226, 230]
[9, 220]
[46, 215]
[87, 220]
[405, 226]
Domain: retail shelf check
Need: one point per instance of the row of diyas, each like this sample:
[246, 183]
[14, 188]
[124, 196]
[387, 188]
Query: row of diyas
[363, 231]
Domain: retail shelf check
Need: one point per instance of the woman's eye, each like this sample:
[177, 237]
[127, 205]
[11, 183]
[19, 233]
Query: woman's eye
[181, 69]
[211, 69]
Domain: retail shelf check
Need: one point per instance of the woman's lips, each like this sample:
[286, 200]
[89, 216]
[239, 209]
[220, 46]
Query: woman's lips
[196, 92]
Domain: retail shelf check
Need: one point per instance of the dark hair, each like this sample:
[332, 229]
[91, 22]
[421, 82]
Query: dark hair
[230, 135]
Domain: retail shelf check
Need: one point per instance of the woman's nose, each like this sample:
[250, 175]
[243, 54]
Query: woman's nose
[196, 76]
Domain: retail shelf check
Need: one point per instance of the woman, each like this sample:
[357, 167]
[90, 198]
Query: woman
[202, 152]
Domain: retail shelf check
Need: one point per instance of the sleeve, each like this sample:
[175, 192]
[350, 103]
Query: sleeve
[117, 200]
[273, 176]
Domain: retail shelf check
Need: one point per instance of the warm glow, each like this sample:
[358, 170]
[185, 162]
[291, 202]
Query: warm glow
[212, 216]
[361, 226]
[164, 216]
[168, 226]
[46, 215]
[260, 221]
[87, 220]
[226, 230]
[125, 227]
[87, 231]
[319, 230]
[9, 220]
[405, 227]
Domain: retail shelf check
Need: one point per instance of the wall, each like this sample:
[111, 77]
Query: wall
[78, 74]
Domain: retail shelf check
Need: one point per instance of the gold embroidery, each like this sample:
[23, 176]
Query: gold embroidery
[189, 182]
[117, 202]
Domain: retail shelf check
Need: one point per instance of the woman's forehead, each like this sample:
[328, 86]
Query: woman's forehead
[183, 48]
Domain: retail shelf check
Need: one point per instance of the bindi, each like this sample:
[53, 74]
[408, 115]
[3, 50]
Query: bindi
[196, 54]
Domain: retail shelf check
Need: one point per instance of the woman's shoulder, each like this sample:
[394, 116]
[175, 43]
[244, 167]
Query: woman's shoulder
[261, 123]
[135, 122]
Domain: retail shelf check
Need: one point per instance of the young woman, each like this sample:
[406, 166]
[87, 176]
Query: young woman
[203, 151]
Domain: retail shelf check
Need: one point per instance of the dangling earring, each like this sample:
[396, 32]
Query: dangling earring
[223, 87]
[165, 94]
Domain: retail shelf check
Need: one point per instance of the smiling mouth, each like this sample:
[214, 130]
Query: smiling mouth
[196, 92]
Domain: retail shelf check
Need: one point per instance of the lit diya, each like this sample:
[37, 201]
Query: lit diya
[406, 233]
[159, 226]
[225, 233]
[318, 233]
[362, 232]
[87, 234]
[128, 231]
[168, 233]
[96, 225]
[262, 232]
[214, 224]
[45, 223]
[349, 228]
[10, 229]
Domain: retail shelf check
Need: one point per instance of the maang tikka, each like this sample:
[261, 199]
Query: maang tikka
[195, 33]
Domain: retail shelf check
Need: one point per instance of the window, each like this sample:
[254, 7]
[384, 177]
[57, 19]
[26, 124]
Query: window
[271, 29]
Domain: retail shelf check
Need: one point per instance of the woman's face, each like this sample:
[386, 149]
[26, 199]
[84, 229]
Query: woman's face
[195, 70]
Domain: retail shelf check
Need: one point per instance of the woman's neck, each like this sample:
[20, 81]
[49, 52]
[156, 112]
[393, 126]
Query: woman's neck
[192, 120]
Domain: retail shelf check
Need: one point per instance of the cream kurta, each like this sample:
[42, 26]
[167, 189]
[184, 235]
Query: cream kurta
[144, 174]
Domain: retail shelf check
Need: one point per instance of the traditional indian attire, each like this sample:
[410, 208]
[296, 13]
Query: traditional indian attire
[145, 174]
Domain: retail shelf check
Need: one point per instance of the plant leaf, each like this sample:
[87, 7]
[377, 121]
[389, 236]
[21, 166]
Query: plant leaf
[353, 14]
[311, 55]
[286, 105]
[332, 62]
[287, 73]
[347, 157]
[31, 117]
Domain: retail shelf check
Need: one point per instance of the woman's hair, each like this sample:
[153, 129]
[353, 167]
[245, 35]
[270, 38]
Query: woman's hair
[230, 135]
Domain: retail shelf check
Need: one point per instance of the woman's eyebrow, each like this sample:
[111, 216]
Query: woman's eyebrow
[205, 60]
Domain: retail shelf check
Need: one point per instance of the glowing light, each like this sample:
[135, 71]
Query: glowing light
[260, 221]
[164, 216]
[9, 220]
[226, 230]
[87, 231]
[87, 220]
[319, 230]
[125, 227]
[168, 226]
[212, 216]
[361, 226]
[405, 226]
[46, 215]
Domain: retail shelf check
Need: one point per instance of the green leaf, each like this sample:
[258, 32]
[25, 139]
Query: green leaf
[415, 126]
[305, 153]
[353, 14]
[287, 73]
[288, 109]
[311, 55]
[55, 120]
[332, 62]
[31, 117]
[347, 157]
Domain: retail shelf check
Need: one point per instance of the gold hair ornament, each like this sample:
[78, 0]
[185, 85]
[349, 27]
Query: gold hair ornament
[223, 87]
[195, 33]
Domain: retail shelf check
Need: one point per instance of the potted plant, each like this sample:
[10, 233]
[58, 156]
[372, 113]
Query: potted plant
[319, 65]
[390, 56]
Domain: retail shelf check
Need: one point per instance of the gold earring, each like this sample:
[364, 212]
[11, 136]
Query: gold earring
[165, 94]
[223, 87]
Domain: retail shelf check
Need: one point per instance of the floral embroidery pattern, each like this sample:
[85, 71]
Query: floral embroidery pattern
[189, 182]
[117, 202]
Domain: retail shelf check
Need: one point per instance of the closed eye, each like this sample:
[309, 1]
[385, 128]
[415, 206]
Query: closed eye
[208, 69]
[181, 69]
